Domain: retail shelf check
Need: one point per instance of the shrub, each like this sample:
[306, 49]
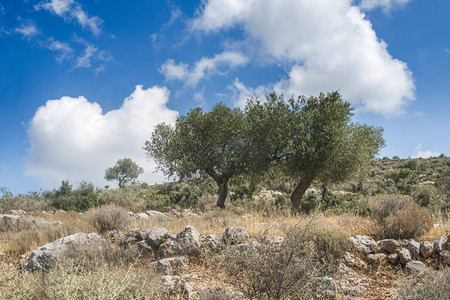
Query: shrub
[435, 287]
[329, 245]
[427, 195]
[398, 216]
[267, 270]
[107, 218]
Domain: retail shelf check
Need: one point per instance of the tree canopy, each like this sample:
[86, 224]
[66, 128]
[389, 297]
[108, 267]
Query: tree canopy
[321, 142]
[310, 138]
[213, 143]
[125, 170]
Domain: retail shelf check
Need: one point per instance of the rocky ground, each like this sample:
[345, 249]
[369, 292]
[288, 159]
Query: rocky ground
[182, 259]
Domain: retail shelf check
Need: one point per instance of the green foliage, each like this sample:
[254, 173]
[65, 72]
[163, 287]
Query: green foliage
[125, 171]
[427, 195]
[81, 199]
[203, 143]
[412, 164]
[397, 175]
[314, 139]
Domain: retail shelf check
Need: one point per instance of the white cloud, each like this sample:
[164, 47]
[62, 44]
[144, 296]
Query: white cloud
[203, 68]
[243, 93]
[70, 9]
[173, 71]
[91, 54]
[325, 45]
[424, 153]
[386, 5]
[71, 138]
[28, 30]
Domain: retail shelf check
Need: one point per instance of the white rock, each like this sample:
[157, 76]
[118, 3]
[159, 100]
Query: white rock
[234, 235]
[44, 257]
[171, 265]
[364, 243]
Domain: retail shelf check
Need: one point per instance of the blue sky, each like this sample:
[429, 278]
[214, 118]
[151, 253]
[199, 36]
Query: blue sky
[83, 82]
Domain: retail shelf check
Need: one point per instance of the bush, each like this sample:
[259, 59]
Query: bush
[107, 218]
[434, 288]
[267, 270]
[427, 195]
[398, 217]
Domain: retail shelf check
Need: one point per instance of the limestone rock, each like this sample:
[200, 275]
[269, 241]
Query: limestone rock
[155, 213]
[187, 242]
[353, 261]
[377, 258]
[388, 245]
[144, 249]
[142, 216]
[415, 266]
[134, 236]
[211, 241]
[157, 236]
[171, 265]
[404, 256]
[234, 235]
[364, 243]
[440, 244]
[445, 256]
[44, 257]
[393, 258]
[414, 248]
[426, 249]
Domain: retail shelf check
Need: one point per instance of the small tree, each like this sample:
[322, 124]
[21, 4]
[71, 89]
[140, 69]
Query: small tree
[125, 171]
[320, 143]
[201, 143]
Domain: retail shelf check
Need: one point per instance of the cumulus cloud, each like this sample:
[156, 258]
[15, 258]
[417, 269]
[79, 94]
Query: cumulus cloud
[424, 153]
[71, 10]
[324, 45]
[71, 138]
[203, 68]
[385, 5]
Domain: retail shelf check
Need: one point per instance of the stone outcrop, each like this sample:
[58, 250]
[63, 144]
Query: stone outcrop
[43, 258]
[234, 235]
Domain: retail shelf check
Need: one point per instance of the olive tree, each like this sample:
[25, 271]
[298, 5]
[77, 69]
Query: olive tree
[125, 170]
[202, 143]
[314, 139]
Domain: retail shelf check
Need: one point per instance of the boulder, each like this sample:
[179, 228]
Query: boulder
[426, 249]
[187, 242]
[354, 261]
[388, 245]
[155, 213]
[393, 258]
[376, 258]
[144, 249]
[157, 236]
[176, 286]
[211, 241]
[234, 235]
[142, 216]
[43, 258]
[171, 265]
[404, 256]
[134, 236]
[440, 244]
[415, 266]
[364, 243]
[414, 248]
[445, 257]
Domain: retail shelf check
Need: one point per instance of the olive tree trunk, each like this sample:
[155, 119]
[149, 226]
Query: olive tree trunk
[297, 195]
